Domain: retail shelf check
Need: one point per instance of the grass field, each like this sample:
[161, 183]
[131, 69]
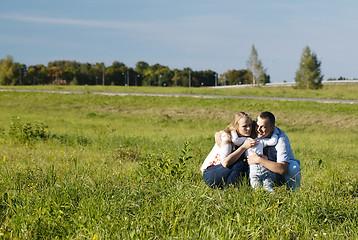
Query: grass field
[86, 166]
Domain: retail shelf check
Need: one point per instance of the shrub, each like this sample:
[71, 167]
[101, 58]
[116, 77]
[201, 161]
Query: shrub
[166, 167]
[27, 132]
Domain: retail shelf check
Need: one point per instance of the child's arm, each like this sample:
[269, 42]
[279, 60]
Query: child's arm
[236, 139]
[270, 141]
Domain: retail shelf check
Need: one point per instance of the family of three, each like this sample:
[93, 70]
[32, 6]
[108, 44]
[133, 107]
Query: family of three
[258, 149]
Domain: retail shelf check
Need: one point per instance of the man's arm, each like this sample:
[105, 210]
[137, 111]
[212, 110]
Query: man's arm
[280, 168]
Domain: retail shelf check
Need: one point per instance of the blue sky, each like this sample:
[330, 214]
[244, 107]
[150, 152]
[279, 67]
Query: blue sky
[200, 34]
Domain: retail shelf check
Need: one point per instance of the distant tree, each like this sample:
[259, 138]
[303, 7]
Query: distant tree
[141, 67]
[309, 74]
[55, 73]
[254, 65]
[37, 74]
[117, 64]
[83, 74]
[155, 75]
[22, 74]
[70, 72]
[176, 80]
[187, 74]
[205, 78]
[9, 71]
[116, 74]
[165, 76]
[96, 73]
[236, 77]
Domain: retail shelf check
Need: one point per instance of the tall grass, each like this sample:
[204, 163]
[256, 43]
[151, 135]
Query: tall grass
[115, 167]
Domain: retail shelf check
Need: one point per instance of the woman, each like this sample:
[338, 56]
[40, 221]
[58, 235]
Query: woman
[223, 165]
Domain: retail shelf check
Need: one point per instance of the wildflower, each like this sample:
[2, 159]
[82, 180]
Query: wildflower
[95, 236]
[4, 158]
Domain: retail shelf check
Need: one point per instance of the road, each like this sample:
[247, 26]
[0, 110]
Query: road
[186, 95]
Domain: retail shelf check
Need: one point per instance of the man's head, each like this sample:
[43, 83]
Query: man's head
[265, 124]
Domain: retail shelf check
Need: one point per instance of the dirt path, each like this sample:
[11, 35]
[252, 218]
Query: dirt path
[187, 95]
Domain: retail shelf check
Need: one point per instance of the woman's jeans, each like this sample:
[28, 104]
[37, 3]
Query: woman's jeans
[218, 176]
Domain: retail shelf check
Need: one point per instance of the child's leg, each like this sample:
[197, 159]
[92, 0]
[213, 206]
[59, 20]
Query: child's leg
[255, 182]
[268, 184]
[254, 175]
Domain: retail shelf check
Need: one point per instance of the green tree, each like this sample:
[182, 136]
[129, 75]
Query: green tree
[9, 71]
[83, 74]
[37, 74]
[236, 77]
[309, 74]
[254, 65]
[97, 74]
[204, 78]
[116, 74]
[141, 67]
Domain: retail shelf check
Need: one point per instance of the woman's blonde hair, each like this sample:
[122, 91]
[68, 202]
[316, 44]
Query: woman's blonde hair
[235, 122]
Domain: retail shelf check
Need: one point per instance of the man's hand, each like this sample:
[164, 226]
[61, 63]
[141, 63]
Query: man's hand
[254, 158]
[280, 168]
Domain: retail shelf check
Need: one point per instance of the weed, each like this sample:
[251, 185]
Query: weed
[27, 132]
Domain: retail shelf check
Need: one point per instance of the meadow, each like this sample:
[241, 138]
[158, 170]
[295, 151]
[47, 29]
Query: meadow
[87, 166]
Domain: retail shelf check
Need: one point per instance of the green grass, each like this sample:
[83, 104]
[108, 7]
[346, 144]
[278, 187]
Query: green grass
[329, 91]
[115, 167]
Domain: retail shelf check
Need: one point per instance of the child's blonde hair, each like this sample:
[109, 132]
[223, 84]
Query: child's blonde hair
[235, 122]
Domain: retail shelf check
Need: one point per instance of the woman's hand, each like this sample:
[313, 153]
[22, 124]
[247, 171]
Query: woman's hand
[218, 138]
[249, 143]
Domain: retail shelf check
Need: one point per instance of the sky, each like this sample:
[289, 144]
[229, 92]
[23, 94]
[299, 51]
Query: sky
[203, 35]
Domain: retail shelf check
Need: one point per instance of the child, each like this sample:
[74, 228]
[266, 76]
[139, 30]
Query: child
[259, 175]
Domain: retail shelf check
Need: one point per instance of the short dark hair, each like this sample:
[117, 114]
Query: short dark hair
[269, 116]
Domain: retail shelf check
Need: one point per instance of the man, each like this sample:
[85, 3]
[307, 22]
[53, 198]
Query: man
[278, 159]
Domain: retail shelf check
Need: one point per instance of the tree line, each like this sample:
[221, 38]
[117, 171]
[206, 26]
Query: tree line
[74, 73]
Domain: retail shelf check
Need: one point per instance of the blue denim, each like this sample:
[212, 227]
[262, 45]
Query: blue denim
[292, 179]
[261, 176]
[218, 176]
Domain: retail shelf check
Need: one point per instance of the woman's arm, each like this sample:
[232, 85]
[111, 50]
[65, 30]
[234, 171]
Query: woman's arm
[234, 156]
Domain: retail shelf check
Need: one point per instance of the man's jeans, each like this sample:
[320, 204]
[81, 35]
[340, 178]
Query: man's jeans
[292, 178]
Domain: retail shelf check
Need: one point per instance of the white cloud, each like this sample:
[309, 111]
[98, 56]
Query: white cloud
[72, 22]
[195, 33]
